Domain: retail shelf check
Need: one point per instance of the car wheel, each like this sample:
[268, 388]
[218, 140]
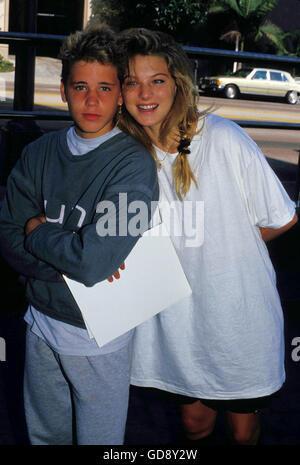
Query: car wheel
[231, 91]
[292, 97]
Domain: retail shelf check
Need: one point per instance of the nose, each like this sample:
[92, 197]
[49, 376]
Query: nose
[92, 97]
[145, 91]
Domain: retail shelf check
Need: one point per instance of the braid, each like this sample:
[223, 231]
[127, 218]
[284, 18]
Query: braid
[182, 172]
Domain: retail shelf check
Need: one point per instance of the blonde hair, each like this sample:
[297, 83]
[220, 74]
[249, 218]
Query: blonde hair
[183, 117]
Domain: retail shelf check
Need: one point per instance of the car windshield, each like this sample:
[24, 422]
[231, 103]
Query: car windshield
[242, 72]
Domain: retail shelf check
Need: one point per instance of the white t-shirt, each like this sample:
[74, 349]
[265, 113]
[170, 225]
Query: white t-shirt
[225, 341]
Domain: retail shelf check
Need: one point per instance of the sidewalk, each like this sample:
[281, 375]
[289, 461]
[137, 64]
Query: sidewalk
[47, 85]
[47, 71]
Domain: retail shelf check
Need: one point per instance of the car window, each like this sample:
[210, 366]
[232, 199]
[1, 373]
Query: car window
[242, 72]
[276, 76]
[260, 75]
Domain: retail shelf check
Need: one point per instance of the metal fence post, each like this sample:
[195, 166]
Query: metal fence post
[25, 62]
[24, 78]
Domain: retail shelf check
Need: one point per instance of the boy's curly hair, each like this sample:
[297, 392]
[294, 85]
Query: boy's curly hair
[95, 43]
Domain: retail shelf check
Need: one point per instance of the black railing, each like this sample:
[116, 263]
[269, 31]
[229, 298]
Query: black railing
[241, 56]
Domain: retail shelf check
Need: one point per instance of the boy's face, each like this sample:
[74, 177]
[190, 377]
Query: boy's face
[93, 95]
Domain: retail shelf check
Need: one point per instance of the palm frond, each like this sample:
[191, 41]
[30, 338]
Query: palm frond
[231, 36]
[244, 8]
[274, 34]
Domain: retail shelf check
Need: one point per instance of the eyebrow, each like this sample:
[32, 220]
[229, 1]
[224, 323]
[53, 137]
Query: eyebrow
[100, 82]
[153, 75]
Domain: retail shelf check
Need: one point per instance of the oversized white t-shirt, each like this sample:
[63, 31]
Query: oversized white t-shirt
[226, 340]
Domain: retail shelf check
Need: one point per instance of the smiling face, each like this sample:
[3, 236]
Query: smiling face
[93, 95]
[148, 92]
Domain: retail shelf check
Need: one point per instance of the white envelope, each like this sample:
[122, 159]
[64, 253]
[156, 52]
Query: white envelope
[152, 281]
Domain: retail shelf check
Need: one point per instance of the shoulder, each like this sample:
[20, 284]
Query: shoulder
[222, 127]
[40, 146]
[132, 166]
[229, 139]
[133, 151]
[45, 139]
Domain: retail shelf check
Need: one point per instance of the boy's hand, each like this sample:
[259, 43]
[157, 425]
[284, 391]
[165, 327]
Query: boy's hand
[34, 222]
[116, 275]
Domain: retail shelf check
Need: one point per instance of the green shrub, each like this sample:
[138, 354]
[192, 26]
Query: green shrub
[5, 65]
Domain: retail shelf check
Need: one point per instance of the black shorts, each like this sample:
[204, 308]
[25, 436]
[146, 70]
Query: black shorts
[230, 405]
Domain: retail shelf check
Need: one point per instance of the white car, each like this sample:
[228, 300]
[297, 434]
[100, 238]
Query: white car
[254, 81]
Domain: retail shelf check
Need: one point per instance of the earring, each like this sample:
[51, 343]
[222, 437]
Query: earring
[118, 114]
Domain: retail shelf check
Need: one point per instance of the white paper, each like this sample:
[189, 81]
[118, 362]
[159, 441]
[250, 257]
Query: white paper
[153, 280]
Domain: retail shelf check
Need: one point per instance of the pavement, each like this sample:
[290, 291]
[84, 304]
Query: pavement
[153, 418]
[47, 71]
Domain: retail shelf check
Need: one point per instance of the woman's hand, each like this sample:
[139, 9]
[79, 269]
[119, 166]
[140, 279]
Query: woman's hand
[34, 223]
[116, 275]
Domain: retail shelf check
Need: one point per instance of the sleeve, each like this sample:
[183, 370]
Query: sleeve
[97, 250]
[20, 204]
[268, 202]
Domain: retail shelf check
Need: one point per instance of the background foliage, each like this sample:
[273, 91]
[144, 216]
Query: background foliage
[205, 23]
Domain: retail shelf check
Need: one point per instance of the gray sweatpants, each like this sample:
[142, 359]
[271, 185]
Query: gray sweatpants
[75, 400]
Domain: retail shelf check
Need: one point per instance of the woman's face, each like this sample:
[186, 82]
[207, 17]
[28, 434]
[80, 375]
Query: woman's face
[149, 91]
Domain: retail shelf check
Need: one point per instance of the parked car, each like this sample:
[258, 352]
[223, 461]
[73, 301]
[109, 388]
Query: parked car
[254, 81]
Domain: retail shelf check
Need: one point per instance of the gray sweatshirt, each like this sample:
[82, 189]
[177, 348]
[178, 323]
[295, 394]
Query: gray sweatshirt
[49, 179]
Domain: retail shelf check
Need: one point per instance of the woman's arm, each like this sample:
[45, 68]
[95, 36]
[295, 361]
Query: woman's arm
[268, 234]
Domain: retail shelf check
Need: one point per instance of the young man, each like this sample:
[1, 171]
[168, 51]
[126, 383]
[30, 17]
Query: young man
[74, 391]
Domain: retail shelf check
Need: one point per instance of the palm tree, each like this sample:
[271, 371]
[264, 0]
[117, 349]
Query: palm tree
[293, 42]
[248, 18]
[233, 36]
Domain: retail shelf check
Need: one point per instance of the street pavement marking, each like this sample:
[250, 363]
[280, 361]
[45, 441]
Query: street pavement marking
[255, 118]
[259, 115]
[64, 105]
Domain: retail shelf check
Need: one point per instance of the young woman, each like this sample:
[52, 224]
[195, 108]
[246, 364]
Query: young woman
[223, 347]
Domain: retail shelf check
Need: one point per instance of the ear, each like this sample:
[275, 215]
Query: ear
[63, 92]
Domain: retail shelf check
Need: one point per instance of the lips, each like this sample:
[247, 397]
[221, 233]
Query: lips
[91, 116]
[149, 107]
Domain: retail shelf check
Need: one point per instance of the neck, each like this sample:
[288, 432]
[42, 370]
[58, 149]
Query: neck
[170, 145]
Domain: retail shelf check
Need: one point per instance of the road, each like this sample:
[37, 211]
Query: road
[278, 144]
[253, 109]
[282, 145]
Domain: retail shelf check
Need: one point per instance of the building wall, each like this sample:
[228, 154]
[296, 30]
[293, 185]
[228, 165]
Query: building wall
[4, 9]
[87, 12]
